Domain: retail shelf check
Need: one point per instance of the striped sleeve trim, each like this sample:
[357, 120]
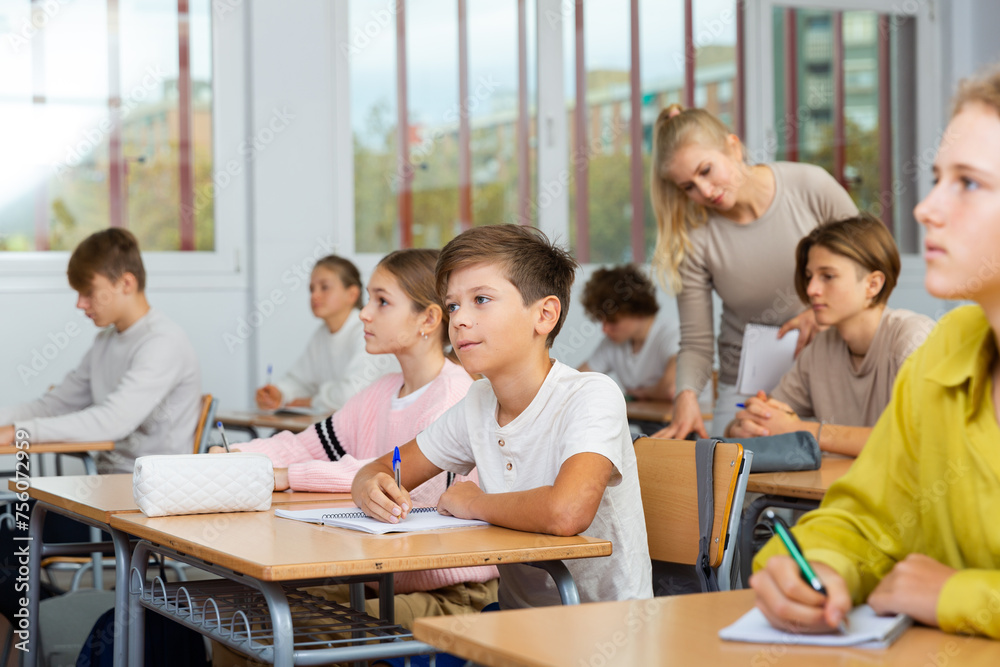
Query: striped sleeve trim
[328, 438]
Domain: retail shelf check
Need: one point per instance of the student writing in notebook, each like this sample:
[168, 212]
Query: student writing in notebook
[139, 384]
[911, 527]
[639, 348]
[402, 318]
[551, 444]
[729, 227]
[335, 364]
[842, 381]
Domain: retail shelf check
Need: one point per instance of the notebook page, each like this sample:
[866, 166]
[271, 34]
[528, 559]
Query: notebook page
[420, 518]
[765, 358]
[865, 630]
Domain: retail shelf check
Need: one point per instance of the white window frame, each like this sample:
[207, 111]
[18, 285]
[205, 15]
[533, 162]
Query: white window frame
[226, 265]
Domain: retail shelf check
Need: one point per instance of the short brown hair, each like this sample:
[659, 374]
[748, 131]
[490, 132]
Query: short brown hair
[413, 269]
[617, 291]
[863, 239]
[111, 253]
[346, 271]
[534, 265]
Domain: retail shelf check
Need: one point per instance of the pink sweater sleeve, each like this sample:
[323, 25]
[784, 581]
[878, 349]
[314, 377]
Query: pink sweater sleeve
[283, 449]
[325, 476]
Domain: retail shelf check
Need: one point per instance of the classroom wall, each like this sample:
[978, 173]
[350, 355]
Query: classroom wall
[276, 59]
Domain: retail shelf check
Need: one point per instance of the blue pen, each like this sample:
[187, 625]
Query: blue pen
[222, 432]
[741, 406]
[269, 367]
[396, 466]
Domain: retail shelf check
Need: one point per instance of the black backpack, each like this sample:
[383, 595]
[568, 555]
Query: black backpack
[167, 643]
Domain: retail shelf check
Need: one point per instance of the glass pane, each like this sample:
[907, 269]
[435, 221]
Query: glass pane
[715, 57]
[607, 63]
[201, 124]
[861, 107]
[150, 124]
[372, 48]
[76, 52]
[19, 174]
[61, 151]
[492, 107]
[432, 85]
[661, 68]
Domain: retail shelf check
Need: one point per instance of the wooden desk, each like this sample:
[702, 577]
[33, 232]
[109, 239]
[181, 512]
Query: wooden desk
[268, 557]
[265, 547]
[97, 497]
[808, 484]
[661, 412]
[93, 499]
[251, 420]
[801, 491]
[60, 447]
[678, 630]
[89, 499]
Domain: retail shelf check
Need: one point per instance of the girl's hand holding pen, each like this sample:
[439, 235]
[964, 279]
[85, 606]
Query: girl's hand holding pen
[219, 449]
[790, 604]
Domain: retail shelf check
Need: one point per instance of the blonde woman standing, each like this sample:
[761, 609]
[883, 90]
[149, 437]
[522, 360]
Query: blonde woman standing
[730, 227]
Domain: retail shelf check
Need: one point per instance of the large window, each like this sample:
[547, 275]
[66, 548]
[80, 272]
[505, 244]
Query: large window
[108, 122]
[443, 99]
[844, 99]
[441, 117]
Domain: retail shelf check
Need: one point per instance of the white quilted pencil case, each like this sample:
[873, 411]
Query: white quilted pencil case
[202, 483]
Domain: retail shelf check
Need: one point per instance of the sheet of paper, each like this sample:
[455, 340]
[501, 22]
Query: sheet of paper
[765, 358]
[421, 518]
[865, 630]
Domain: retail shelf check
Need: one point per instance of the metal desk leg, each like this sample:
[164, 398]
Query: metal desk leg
[35, 531]
[281, 618]
[568, 592]
[387, 598]
[136, 612]
[123, 566]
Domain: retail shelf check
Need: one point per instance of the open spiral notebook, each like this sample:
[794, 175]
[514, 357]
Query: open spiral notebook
[419, 518]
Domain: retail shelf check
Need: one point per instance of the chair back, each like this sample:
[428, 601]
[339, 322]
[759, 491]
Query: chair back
[668, 481]
[204, 426]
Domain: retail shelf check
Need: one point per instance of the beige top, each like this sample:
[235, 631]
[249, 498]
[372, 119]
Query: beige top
[823, 384]
[752, 268]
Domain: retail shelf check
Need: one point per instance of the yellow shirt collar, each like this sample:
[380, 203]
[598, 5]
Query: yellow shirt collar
[971, 354]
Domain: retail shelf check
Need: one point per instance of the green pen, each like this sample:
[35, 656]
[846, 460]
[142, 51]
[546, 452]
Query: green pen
[808, 574]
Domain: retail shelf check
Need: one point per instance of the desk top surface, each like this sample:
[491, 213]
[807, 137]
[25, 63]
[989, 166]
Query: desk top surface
[678, 630]
[273, 549]
[60, 447]
[99, 496]
[282, 422]
[654, 411]
[811, 484]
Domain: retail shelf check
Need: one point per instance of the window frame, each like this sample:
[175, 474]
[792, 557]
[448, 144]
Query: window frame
[225, 265]
[761, 134]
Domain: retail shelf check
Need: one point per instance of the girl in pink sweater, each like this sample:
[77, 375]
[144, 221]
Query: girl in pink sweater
[403, 318]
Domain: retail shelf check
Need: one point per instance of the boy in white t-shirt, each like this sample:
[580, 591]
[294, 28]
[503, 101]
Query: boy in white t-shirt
[639, 349]
[551, 444]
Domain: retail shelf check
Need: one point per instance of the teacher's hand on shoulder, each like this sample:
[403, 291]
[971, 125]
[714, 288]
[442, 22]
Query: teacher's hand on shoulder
[687, 418]
[805, 322]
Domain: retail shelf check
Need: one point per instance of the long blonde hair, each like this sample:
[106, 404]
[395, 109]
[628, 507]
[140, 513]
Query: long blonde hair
[675, 213]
